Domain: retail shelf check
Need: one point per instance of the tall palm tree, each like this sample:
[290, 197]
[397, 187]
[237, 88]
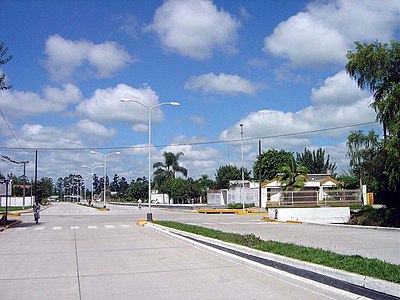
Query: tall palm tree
[293, 176]
[168, 169]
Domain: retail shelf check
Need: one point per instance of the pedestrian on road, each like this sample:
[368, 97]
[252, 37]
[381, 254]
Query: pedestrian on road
[36, 211]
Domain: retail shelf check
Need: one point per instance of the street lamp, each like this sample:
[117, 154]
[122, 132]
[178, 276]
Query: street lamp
[92, 168]
[150, 108]
[242, 189]
[105, 172]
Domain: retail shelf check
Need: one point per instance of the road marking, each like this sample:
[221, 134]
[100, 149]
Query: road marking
[126, 226]
[92, 227]
[20, 229]
[74, 227]
[57, 228]
[109, 226]
[38, 228]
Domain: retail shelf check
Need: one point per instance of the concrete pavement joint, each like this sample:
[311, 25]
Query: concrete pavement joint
[355, 283]
[77, 267]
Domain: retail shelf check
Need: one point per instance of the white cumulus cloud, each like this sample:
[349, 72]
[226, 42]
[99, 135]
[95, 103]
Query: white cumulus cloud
[65, 56]
[94, 129]
[336, 103]
[326, 30]
[105, 105]
[222, 84]
[194, 28]
[52, 100]
[339, 89]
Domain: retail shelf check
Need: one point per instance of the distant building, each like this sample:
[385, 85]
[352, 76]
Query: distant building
[315, 188]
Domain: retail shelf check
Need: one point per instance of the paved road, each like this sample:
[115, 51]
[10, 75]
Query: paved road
[80, 253]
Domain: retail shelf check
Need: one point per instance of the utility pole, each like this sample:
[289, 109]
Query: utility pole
[36, 160]
[23, 191]
[259, 173]
[242, 189]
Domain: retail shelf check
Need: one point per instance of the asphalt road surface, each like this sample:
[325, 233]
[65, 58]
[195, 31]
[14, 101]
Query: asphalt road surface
[78, 252]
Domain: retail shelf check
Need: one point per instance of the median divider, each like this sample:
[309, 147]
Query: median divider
[143, 222]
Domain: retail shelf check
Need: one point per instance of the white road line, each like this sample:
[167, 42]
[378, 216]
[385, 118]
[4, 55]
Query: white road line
[38, 228]
[126, 226]
[74, 227]
[92, 227]
[20, 229]
[57, 228]
[109, 226]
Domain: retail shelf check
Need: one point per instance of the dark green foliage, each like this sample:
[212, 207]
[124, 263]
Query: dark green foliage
[240, 205]
[229, 172]
[384, 217]
[368, 162]
[168, 169]
[138, 189]
[315, 161]
[375, 67]
[354, 263]
[292, 176]
[272, 161]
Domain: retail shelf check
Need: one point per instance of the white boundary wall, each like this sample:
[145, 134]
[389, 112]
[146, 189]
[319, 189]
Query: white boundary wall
[313, 215]
[16, 201]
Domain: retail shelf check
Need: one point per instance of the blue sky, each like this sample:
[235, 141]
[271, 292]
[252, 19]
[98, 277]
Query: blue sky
[277, 67]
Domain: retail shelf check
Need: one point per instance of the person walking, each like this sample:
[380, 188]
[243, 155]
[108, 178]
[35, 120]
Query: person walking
[36, 211]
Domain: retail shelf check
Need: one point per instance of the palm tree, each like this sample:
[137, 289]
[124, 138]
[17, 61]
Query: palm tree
[293, 176]
[168, 169]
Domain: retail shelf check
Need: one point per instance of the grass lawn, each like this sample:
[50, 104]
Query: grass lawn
[13, 208]
[351, 263]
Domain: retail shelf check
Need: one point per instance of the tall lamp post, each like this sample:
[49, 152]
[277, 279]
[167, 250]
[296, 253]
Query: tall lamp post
[242, 188]
[150, 108]
[105, 171]
[92, 168]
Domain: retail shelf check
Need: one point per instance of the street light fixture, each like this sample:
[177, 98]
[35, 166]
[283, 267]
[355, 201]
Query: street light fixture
[105, 171]
[150, 108]
[92, 168]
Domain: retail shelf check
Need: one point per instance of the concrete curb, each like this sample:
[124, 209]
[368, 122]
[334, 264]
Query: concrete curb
[356, 226]
[373, 284]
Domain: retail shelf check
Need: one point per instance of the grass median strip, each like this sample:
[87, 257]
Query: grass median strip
[351, 263]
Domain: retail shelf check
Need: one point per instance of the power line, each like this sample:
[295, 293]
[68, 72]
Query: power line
[197, 143]
[12, 133]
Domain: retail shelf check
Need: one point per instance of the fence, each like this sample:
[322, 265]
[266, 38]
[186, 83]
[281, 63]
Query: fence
[317, 198]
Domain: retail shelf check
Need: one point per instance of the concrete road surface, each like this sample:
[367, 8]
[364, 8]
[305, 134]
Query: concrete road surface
[79, 253]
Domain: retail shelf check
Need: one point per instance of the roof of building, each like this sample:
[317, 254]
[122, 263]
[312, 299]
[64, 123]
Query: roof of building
[321, 178]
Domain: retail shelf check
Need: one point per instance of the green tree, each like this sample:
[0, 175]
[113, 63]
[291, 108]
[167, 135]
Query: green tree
[272, 161]
[315, 161]
[3, 60]
[115, 183]
[367, 160]
[44, 188]
[205, 183]
[375, 67]
[229, 172]
[123, 185]
[138, 189]
[168, 168]
[97, 186]
[59, 187]
[178, 190]
[293, 176]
